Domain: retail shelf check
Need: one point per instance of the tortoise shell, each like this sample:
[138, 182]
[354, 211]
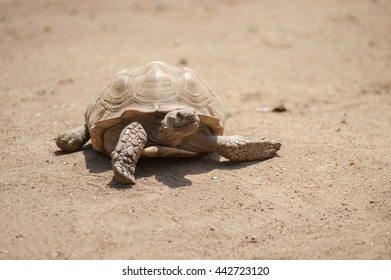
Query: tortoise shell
[156, 87]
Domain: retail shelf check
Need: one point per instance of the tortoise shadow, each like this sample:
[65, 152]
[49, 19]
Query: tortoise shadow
[96, 162]
[171, 172]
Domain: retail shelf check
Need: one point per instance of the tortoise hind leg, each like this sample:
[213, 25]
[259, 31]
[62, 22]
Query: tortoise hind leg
[72, 140]
[127, 152]
[238, 148]
[165, 151]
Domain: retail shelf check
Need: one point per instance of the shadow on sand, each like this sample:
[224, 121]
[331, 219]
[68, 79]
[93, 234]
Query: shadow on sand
[169, 171]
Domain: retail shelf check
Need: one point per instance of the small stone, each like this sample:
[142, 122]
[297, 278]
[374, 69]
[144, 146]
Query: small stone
[279, 109]
[55, 254]
[264, 109]
[214, 177]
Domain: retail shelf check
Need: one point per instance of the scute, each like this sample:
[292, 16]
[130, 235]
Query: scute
[118, 93]
[154, 87]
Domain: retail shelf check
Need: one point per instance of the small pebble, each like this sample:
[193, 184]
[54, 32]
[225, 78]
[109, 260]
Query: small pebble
[55, 254]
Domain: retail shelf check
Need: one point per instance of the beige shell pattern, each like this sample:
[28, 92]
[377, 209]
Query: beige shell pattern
[155, 87]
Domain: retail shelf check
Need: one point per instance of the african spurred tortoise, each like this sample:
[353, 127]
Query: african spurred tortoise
[159, 110]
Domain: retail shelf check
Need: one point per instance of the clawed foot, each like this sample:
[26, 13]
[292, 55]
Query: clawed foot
[72, 140]
[123, 168]
[246, 150]
[128, 150]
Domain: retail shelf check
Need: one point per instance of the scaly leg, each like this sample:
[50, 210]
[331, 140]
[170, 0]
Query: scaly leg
[127, 152]
[238, 148]
[73, 139]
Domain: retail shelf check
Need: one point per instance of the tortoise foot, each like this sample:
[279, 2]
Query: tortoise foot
[241, 149]
[127, 152]
[73, 139]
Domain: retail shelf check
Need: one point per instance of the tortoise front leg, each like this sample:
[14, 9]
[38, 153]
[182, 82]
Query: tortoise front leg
[74, 139]
[238, 148]
[127, 152]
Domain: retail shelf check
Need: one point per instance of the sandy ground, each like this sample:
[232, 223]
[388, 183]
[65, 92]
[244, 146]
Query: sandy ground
[326, 196]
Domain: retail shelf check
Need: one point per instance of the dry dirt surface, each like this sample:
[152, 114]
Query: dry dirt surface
[326, 196]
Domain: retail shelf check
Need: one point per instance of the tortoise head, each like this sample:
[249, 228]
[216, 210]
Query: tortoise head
[178, 124]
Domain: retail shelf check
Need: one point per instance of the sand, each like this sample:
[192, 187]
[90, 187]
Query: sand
[327, 195]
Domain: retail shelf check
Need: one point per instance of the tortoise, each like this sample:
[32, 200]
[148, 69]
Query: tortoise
[159, 110]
